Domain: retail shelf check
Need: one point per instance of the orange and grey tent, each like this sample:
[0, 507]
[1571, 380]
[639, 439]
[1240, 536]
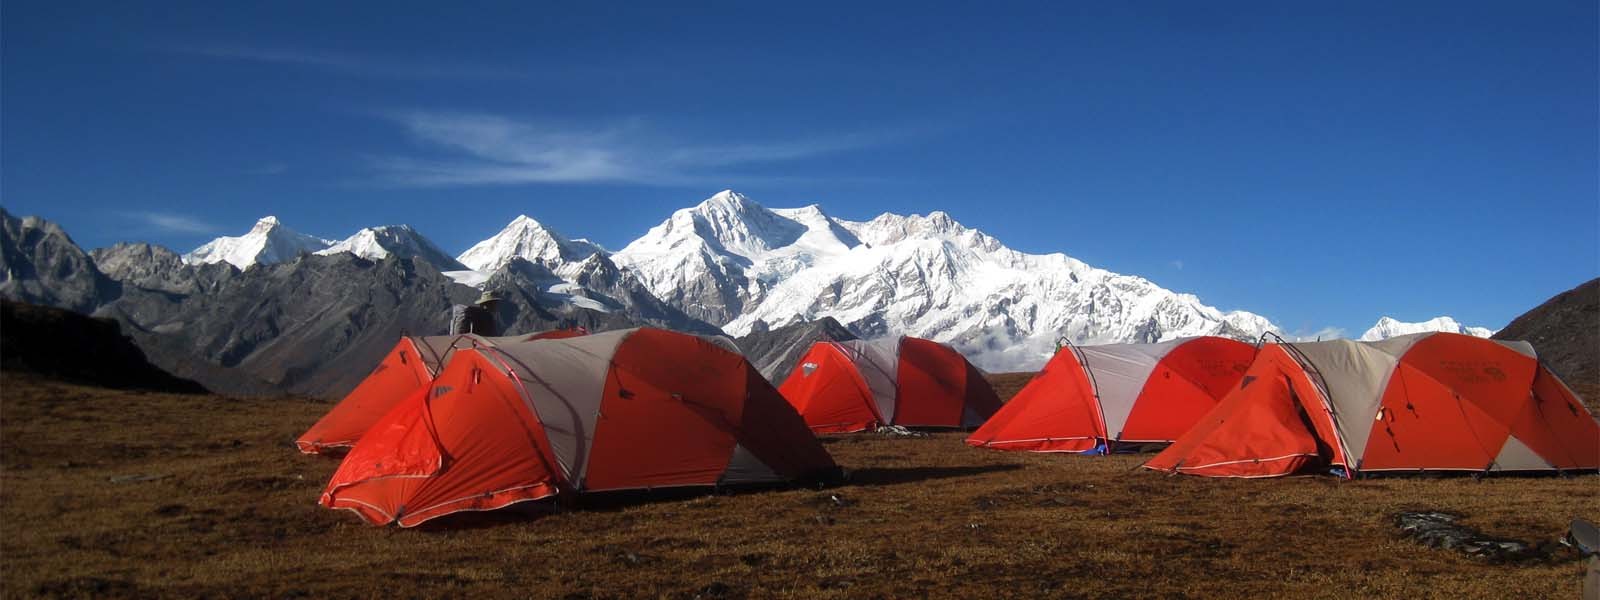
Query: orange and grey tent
[1422, 402]
[408, 367]
[858, 385]
[624, 410]
[1092, 399]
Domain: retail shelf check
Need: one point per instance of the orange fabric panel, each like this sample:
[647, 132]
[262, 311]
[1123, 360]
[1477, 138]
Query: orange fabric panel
[401, 372]
[559, 334]
[932, 385]
[492, 446]
[1185, 385]
[1259, 429]
[669, 413]
[771, 430]
[1055, 412]
[1557, 426]
[1450, 404]
[832, 397]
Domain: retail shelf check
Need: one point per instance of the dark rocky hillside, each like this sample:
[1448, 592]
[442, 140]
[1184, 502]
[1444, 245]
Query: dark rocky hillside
[1565, 330]
[61, 344]
[774, 352]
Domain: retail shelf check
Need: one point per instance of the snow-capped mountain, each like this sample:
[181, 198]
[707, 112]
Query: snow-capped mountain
[1388, 328]
[528, 239]
[737, 264]
[268, 242]
[377, 243]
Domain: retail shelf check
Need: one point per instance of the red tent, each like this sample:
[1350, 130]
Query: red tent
[1423, 402]
[858, 385]
[622, 410]
[409, 366]
[1092, 398]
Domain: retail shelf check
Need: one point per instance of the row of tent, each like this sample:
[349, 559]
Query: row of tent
[446, 424]
[1422, 402]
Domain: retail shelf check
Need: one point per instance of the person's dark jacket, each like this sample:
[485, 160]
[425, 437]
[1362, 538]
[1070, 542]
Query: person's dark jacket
[474, 319]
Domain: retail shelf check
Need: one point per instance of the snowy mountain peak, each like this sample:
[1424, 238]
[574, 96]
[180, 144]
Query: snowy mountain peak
[268, 242]
[1388, 327]
[377, 243]
[737, 264]
[528, 239]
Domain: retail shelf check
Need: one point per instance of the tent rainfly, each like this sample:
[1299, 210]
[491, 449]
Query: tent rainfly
[1093, 399]
[1422, 402]
[408, 367]
[859, 385]
[622, 410]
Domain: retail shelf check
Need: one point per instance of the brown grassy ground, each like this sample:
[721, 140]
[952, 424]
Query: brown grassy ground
[1007, 385]
[118, 493]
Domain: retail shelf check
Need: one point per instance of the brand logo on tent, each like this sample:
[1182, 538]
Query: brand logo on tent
[1495, 373]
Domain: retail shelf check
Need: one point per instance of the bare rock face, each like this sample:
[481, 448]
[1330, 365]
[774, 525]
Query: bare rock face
[40, 264]
[158, 269]
[775, 352]
[1565, 331]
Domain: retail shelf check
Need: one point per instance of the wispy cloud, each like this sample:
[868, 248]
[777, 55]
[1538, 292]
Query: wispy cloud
[171, 223]
[351, 64]
[267, 169]
[491, 149]
[1177, 264]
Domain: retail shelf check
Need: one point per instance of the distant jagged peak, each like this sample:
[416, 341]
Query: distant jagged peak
[1388, 327]
[529, 239]
[378, 243]
[269, 241]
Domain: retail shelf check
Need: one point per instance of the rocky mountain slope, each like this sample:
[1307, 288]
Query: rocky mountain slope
[1565, 330]
[1387, 327]
[775, 352]
[41, 264]
[312, 324]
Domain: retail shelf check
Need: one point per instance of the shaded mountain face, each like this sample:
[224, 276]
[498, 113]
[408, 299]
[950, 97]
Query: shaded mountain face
[1565, 331]
[40, 264]
[775, 352]
[69, 346]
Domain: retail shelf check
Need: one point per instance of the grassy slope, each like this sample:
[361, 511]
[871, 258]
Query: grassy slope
[234, 514]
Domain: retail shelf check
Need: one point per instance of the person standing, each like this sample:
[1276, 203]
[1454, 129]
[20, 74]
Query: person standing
[477, 318]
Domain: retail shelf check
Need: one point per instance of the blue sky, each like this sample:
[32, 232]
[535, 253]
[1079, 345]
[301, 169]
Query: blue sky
[1319, 164]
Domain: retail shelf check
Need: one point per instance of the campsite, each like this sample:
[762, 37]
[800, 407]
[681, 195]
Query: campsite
[112, 493]
[820, 300]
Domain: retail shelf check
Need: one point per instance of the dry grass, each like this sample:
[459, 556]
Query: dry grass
[222, 506]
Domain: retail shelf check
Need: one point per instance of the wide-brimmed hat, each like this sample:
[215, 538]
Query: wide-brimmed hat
[489, 296]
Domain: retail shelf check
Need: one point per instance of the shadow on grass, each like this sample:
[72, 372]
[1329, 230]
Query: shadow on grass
[875, 476]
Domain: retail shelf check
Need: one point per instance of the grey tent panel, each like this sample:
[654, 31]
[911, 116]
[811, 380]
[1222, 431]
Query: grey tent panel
[565, 384]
